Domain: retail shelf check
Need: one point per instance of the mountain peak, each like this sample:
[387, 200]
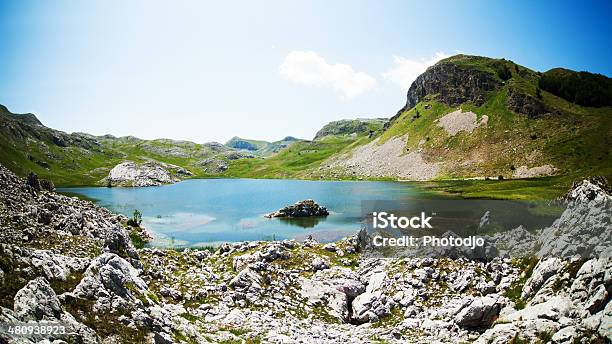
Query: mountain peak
[27, 118]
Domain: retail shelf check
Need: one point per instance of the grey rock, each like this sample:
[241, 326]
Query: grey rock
[597, 299]
[565, 335]
[542, 272]
[498, 334]
[37, 301]
[526, 104]
[481, 312]
[129, 173]
[319, 264]
[303, 208]
[112, 282]
[247, 278]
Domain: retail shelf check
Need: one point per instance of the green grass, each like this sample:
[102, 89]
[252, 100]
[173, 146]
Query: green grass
[137, 239]
[519, 189]
[526, 264]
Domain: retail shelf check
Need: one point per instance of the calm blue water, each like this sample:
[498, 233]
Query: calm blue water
[209, 211]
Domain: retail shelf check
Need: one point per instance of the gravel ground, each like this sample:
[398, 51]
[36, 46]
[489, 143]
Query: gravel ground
[388, 160]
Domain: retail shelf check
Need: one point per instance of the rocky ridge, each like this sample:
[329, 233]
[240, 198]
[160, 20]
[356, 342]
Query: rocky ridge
[351, 127]
[87, 274]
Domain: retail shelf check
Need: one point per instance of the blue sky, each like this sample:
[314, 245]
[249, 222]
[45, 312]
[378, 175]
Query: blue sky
[206, 71]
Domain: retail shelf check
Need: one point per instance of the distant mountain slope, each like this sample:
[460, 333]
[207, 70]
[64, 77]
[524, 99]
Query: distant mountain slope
[246, 144]
[302, 159]
[258, 147]
[82, 159]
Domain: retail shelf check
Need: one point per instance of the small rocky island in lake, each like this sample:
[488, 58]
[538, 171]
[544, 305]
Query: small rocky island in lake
[305, 208]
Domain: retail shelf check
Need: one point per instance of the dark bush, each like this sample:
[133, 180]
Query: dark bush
[33, 181]
[502, 70]
[582, 88]
[47, 185]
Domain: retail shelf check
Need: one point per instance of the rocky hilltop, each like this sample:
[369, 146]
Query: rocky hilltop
[64, 259]
[453, 85]
[351, 127]
[470, 79]
[478, 117]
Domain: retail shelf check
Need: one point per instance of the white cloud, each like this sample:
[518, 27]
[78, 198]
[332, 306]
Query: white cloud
[406, 70]
[308, 68]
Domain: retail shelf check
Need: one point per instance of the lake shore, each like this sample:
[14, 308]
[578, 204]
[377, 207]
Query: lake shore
[102, 288]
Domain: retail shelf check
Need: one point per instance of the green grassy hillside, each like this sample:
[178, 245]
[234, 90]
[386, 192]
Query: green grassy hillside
[527, 126]
[259, 147]
[80, 159]
[573, 138]
[348, 127]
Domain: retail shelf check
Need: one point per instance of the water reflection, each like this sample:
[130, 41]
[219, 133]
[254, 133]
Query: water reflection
[304, 222]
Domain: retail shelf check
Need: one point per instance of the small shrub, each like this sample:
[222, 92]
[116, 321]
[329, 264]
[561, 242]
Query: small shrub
[33, 181]
[539, 93]
[136, 219]
[502, 70]
[545, 337]
[47, 185]
[137, 239]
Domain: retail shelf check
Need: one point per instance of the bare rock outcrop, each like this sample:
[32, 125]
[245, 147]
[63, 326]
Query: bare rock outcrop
[457, 121]
[453, 85]
[533, 172]
[305, 208]
[525, 104]
[129, 173]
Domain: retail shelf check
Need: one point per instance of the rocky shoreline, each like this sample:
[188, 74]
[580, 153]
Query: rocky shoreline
[70, 261]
